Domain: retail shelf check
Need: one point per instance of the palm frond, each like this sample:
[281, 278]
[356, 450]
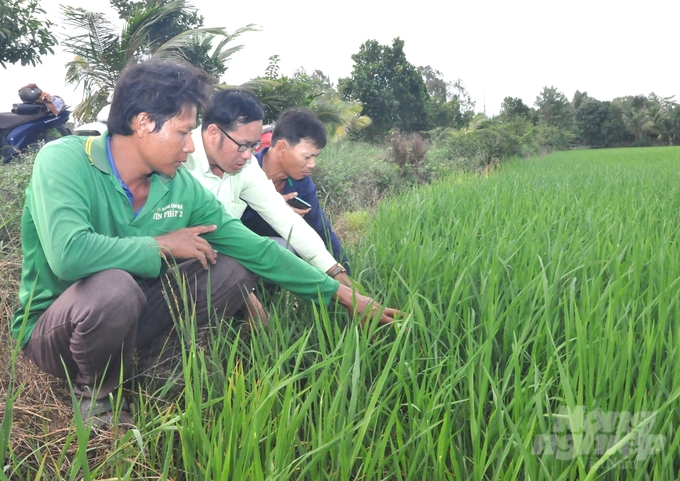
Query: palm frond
[101, 52]
[135, 39]
[340, 117]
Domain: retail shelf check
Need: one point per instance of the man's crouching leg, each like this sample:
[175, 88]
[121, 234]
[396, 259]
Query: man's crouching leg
[88, 335]
[230, 285]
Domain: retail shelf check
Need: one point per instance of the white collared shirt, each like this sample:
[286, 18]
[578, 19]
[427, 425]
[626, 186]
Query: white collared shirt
[251, 187]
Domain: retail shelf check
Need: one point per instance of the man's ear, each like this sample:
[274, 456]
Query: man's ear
[281, 146]
[213, 134]
[142, 124]
[212, 139]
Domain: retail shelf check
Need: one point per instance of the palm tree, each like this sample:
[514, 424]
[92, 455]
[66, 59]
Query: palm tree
[479, 122]
[101, 51]
[340, 117]
[638, 122]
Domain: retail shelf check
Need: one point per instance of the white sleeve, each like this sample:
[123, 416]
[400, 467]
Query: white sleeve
[259, 192]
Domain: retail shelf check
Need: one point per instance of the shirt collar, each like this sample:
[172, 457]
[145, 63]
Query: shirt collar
[199, 151]
[95, 149]
[201, 157]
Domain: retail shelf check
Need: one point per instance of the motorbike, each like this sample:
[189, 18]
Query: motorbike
[94, 128]
[39, 119]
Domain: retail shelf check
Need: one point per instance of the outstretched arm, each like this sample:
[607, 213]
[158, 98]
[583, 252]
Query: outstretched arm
[364, 307]
[263, 198]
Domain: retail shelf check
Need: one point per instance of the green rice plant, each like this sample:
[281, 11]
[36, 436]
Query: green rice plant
[558, 280]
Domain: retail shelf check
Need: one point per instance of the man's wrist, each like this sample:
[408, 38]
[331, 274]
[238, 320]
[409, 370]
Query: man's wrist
[335, 270]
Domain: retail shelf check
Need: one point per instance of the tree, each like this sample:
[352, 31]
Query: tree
[23, 37]
[340, 117]
[553, 109]
[101, 51]
[314, 92]
[444, 115]
[460, 93]
[513, 108]
[449, 105]
[590, 120]
[674, 124]
[272, 72]
[172, 25]
[435, 84]
[579, 99]
[636, 118]
[390, 88]
[277, 93]
[660, 110]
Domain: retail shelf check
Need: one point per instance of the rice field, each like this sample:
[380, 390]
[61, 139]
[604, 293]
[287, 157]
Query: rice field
[541, 343]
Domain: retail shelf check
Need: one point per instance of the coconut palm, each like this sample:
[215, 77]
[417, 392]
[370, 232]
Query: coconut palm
[340, 117]
[267, 92]
[658, 116]
[638, 122]
[479, 122]
[101, 51]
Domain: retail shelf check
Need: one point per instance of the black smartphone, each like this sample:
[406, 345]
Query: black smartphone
[298, 203]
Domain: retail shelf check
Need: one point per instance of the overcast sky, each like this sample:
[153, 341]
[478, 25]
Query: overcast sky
[498, 48]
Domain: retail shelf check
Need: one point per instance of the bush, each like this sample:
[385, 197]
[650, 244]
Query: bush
[477, 150]
[353, 176]
[14, 178]
[641, 142]
[554, 138]
[408, 153]
[473, 151]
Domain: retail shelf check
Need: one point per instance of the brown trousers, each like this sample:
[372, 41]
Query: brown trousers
[92, 331]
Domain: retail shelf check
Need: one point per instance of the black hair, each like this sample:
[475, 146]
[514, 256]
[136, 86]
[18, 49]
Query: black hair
[159, 87]
[231, 108]
[295, 125]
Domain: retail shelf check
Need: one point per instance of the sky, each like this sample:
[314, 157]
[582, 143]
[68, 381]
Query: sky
[497, 48]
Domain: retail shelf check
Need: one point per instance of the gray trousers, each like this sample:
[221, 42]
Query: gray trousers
[91, 332]
[284, 243]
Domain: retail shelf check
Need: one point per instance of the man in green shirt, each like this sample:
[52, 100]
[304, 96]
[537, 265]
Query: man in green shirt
[106, 216]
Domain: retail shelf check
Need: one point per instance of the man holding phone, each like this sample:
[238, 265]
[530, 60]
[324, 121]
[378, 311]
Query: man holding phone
[296, 142]
[223, 163]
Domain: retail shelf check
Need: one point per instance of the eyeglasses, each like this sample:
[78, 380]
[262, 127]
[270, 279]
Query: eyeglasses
[241, 147]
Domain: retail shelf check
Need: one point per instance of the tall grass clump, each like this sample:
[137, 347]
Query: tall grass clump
[354, 176]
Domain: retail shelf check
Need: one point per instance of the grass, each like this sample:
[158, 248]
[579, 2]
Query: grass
[542, 302]
[353, 176]
[557, 283]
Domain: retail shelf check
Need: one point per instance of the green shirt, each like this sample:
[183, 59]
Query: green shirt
[77, 221]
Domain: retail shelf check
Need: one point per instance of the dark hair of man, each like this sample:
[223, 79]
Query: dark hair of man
[159, 87]
[232, 108]
[295, 125]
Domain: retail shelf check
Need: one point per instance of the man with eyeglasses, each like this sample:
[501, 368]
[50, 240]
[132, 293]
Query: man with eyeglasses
[223, 162]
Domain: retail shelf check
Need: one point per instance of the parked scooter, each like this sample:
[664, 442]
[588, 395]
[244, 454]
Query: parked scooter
[40, 118]
[95, 128]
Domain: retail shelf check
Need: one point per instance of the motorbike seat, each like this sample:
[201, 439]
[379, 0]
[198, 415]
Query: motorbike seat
[29, 109]
[9, 120]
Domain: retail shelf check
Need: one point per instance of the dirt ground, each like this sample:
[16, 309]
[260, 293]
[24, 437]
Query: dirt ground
[41, 409]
